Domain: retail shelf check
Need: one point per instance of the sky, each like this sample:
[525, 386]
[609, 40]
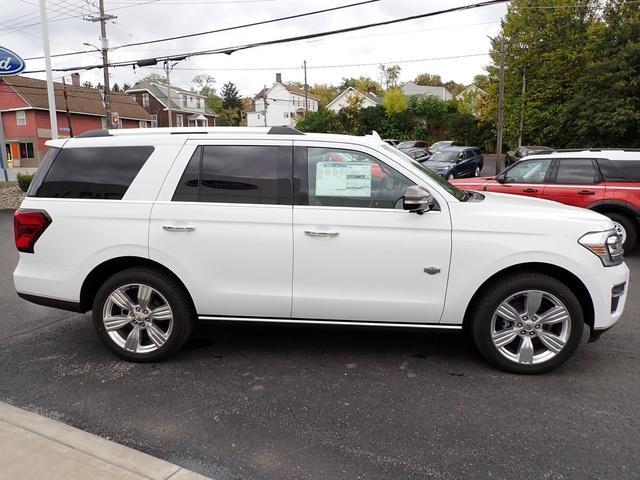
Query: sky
[417, 46]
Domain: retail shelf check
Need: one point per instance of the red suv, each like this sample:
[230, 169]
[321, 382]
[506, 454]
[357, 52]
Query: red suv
[606, 181]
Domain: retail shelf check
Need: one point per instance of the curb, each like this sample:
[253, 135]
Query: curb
[37, 447]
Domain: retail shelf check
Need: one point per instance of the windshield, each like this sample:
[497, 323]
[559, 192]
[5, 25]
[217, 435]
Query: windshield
[450, 156]
[411, 163]
[406, 144]
[440, 145]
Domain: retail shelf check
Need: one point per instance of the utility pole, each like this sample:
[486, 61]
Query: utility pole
[66, 106]
[104, 44]
[167, 69]
[500, 109]
[524, 83]
[306, 90]
[53, 119]
[265, 105]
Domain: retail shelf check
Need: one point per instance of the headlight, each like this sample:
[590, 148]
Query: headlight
[606, 245]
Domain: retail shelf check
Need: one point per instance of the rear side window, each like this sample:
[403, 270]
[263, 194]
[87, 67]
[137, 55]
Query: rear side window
[100, 173]
[237, 174]
[577, 171]
[629, 168]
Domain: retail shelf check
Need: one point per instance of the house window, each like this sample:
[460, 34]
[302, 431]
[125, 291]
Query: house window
[258, 116]
[103, 123]
[142, 124]
[21, 117]
[26, 150]
[184, 101]
[286, 114]
[154, 121]
[179, 120]
[145, 100]
[198, 102]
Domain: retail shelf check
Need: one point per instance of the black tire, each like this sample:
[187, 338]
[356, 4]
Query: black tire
[629, 226]
[502, 289]
[176, 297]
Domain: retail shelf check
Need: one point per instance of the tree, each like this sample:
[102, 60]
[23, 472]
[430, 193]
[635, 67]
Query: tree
[154, 78]
[428, 80]
[87, 84]
[125, 87]
[362, 84]
[324, 93]
[115, 88]
[321, 121]
[395, 101]
[205, 84]
[389, 75]
[230, 96]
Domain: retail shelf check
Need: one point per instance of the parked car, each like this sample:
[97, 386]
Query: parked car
[412, 144]
[418, 154]
[440, 145]
[199, 224]
[456, 162]
[605, 181]
[391, 141]
[513, 156]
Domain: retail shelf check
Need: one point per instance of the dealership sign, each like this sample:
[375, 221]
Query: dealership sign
[10, 63]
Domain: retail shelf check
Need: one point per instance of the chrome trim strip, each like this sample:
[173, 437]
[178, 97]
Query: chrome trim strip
[331, 322]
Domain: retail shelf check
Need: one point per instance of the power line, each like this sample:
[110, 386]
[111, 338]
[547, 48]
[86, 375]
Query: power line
[224, 29]
[230, 50]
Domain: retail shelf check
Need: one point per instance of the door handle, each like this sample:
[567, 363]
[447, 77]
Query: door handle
[311, 233]
[174, 228]
[586, 192]
[530, 190]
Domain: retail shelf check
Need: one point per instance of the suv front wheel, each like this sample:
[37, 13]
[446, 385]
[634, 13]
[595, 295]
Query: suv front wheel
[142, 315]
[528, 323]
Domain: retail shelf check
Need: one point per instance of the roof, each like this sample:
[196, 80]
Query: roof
[411, 88]
[473, 87]
[83, 100]
[290, 89]
[371, 96]
[159, 91]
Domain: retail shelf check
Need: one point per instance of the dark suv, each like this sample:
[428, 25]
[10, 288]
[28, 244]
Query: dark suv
[456, 162]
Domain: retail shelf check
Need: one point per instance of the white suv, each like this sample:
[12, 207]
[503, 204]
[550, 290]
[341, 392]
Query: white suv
[154, 229]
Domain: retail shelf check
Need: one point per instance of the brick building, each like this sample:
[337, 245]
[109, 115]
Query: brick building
[25, 115]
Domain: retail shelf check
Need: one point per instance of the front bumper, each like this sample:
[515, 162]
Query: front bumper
[608, 291]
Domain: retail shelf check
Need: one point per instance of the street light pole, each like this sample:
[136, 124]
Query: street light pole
[500, 109]
[53, 119]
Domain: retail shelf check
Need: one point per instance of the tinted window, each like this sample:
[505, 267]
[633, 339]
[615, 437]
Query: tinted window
[95, 173]
[528, 171]
[45, 165]
[237, 174]
[347, 178]
[630, 169]
[576, 171]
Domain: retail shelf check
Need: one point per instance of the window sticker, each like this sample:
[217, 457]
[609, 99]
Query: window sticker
[343, 179]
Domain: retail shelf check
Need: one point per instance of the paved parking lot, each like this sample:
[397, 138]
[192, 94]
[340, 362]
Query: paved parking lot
[263, 402]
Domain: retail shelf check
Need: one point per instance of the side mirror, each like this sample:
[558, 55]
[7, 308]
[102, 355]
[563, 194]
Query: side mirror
[501, 178]
[417, 200]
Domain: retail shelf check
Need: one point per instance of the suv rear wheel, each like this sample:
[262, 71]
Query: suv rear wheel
[528, 323]
[626, 228]
[142, 315]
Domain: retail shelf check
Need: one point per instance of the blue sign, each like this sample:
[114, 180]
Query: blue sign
[10, 63]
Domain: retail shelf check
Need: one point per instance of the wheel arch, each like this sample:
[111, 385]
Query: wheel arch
[103, 271]
[559, 273]
[613, 206]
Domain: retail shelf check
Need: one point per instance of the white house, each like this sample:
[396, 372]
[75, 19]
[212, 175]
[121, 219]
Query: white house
[472, 97]
[280, 106]
[343, 99]
[411, 89]
[472, 89]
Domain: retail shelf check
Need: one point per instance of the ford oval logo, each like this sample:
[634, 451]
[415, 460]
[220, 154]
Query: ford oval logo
[10, 63]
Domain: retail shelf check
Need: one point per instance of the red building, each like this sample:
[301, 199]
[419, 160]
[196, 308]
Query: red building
[24, 108]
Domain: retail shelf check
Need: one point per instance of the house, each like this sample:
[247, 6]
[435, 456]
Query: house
[411, 89]
[280, 105]
[471, 98]
[342, 100]
[188, 109]
[24, 108]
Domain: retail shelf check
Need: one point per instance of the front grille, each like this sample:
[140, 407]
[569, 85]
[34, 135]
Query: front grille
[616, 292]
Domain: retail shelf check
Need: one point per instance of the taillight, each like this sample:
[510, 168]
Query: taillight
[28, 225]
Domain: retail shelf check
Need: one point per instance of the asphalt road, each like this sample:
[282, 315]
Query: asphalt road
[265, 402]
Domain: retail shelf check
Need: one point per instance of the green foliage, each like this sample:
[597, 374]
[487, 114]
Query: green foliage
[362, 84]
[395, 101]
[428, 80]
[155, 78]
[206, 83]
[322, 121]
[24, 181]
[582, 66]
[390, 75]
[230, 97]
[324, 93]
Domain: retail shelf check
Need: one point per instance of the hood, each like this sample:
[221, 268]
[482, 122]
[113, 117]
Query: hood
[524, 212]
[438, 165]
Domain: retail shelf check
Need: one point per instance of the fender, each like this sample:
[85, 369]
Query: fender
[618, 204]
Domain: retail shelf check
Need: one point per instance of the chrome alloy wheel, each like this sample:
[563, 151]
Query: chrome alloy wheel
[620, 230]
[137, 318]
[530, 327]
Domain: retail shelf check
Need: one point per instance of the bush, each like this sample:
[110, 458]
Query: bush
[24, 181]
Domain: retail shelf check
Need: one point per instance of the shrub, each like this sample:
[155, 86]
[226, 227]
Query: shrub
[24, 181]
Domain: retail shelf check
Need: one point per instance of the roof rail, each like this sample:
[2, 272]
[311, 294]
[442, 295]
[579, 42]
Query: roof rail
[94, 133]
[608, 149]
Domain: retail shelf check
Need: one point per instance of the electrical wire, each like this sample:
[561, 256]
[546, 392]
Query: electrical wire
[230, 50]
